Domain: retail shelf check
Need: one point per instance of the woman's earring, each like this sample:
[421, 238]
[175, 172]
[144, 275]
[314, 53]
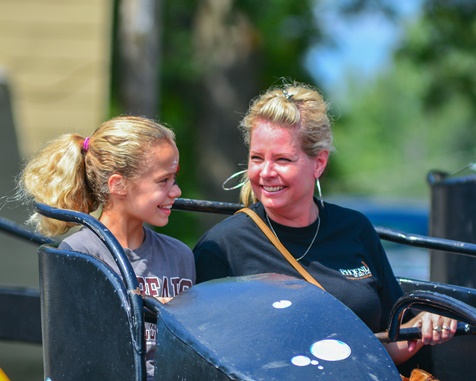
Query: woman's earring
[232, 177]
[319, 192]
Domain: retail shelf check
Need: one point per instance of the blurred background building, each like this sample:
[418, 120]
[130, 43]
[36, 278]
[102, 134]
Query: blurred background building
[55, 61]
[56, 57]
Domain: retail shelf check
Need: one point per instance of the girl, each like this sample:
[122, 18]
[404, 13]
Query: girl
[127, 169]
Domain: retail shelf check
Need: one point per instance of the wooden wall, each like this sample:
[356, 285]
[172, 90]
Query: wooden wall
[56, 56]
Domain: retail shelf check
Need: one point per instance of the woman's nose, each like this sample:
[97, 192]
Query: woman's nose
[267, 170]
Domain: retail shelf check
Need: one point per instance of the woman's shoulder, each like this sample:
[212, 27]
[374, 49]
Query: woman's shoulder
[233, 228]
[230, 222]
[345, 214]
[336, 208]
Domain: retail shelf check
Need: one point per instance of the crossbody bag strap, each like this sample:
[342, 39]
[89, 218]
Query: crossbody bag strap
[280, 246]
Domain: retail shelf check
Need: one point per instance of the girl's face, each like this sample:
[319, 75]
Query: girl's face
[282, 175]
[150, 197]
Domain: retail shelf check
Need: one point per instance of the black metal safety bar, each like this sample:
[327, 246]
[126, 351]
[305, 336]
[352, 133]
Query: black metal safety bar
[432, 302]
[22, 232]
[97, 228]
[387, 234]
[227, 208]
[224, 208]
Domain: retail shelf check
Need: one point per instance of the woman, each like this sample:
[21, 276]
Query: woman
[126, 169]
[288, 133]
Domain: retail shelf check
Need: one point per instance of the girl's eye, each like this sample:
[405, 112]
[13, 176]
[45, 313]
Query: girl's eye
[170, 179]
[166, 180]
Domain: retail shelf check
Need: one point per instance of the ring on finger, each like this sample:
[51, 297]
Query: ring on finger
[437, 328]
[446, 328]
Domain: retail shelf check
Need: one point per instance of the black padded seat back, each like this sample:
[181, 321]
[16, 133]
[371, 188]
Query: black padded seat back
[86, 320]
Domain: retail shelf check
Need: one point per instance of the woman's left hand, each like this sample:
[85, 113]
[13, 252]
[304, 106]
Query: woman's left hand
[435, 329]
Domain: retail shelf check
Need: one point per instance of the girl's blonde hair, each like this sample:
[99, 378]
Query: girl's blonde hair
[72, 172]
[295, 106]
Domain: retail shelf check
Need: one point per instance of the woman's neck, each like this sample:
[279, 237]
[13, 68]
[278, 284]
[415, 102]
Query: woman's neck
[295, 217]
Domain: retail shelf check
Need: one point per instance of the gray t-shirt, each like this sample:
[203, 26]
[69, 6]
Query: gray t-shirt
[164, 267]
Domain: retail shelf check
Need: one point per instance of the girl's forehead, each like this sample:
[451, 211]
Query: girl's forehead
[165, 154]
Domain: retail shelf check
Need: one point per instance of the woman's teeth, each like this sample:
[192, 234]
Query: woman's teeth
[272, 189]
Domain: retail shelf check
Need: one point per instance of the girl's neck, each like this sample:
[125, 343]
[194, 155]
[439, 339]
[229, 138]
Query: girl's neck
[130, 234]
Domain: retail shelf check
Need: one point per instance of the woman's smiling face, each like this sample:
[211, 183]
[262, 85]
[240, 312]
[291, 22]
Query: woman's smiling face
[281, 174]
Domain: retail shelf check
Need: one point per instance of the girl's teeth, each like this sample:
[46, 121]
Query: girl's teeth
[272, 189]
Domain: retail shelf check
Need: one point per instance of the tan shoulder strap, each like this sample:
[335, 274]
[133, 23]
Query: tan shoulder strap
[280, 246]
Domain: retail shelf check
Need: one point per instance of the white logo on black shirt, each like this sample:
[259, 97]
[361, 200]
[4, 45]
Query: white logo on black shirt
[357, 273]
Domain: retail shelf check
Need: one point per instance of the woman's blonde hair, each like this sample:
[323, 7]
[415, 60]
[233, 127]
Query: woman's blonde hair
[291, 105]
[72, 172]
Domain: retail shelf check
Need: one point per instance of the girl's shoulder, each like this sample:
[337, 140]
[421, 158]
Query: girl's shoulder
[80, 239]
[155, 238]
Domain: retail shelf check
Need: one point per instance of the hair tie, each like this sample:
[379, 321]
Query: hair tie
[287, 95]
[86, 144]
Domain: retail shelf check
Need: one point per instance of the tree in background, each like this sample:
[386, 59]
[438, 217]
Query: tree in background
[137, 56]
[418, 115]
[444, 43]
[215, 56]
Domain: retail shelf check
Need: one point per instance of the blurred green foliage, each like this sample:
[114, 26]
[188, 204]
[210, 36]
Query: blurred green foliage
[389, 132]
[418, 115]
[277, 37]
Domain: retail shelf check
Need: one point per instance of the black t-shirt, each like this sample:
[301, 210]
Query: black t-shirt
[347, 258]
